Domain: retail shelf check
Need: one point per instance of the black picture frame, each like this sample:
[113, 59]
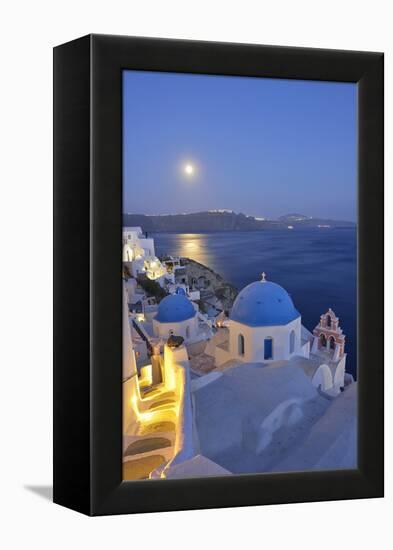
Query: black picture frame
[87, 273]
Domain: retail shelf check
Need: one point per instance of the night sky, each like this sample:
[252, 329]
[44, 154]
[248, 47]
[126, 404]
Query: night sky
[264, 147]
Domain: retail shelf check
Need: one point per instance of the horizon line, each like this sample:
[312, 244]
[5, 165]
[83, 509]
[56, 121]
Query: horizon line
[228, 211]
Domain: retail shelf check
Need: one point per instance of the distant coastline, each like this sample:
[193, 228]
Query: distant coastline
[226, 220]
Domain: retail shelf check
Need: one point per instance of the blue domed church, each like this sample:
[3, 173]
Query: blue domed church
[264, 326]
[176, 316]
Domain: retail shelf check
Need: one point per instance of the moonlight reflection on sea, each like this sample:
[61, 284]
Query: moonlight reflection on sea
[192, 245]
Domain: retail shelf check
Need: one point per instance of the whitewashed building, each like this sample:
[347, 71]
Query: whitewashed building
[264, 326]
[139, 255]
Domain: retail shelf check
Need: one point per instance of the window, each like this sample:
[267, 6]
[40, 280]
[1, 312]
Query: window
[268, 348]
[292, 341]
[328, 321]
[240, 344]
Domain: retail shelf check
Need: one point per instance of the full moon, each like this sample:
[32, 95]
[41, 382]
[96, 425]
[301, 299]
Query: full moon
[189, 169]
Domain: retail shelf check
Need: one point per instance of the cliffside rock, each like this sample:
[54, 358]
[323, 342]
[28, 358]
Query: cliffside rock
[215, 292]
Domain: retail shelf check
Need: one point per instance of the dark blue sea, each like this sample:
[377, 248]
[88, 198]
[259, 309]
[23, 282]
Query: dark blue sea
[316, 266]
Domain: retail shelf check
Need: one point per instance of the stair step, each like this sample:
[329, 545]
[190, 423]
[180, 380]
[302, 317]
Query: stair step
[161, 402]
[140, 468]
[154, 427]
[158, 393]
[146, 445]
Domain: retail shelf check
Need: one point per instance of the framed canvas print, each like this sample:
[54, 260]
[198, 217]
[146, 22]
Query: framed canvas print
[218, 275]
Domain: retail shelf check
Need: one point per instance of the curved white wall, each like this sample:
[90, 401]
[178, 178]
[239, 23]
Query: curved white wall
[287, 413]
[129, 362]
[131, 395]
[339, 375]
[323, 378]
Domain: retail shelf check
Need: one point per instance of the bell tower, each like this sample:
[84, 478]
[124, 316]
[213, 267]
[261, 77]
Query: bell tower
[329, 336]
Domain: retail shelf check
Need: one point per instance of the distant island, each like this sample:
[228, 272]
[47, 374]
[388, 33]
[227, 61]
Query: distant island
[225, 220]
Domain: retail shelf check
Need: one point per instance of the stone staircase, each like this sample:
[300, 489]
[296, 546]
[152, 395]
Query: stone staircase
[152, 442]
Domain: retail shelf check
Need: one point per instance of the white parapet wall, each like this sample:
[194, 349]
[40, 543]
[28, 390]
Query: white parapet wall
[131, 395]
[177, 378]
[131, 399]
[129, 362]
